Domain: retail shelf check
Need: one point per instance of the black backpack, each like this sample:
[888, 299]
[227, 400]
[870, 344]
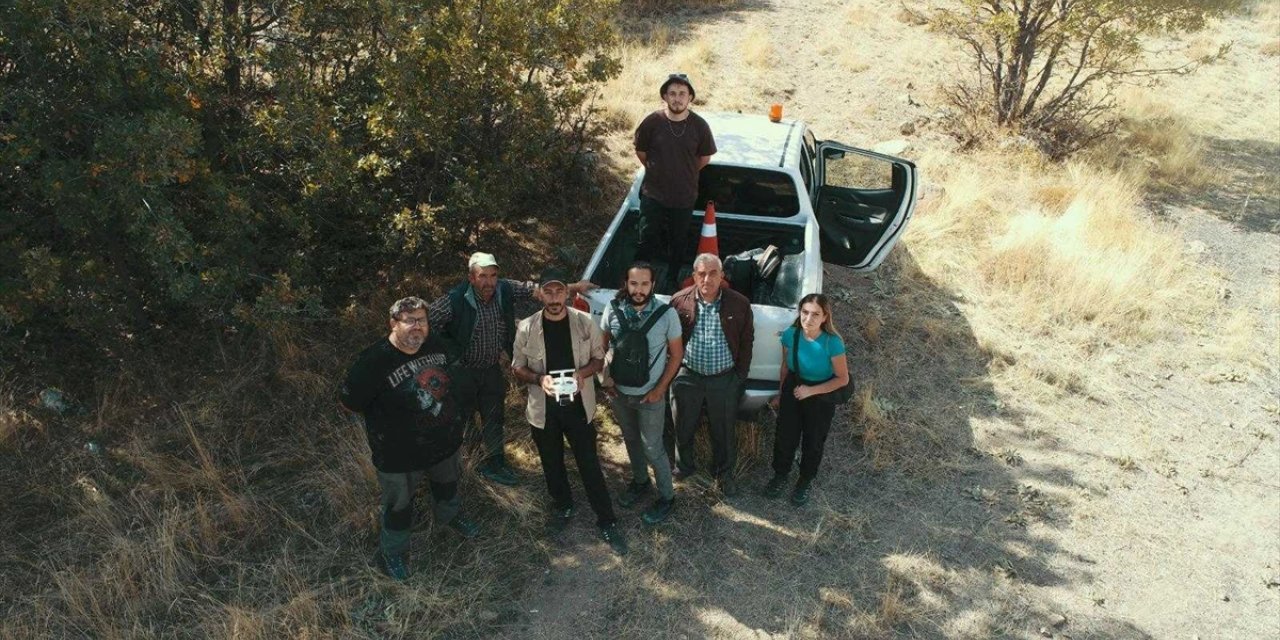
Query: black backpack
[631, 363]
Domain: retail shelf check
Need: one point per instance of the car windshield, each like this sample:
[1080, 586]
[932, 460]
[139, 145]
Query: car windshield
[753, 192]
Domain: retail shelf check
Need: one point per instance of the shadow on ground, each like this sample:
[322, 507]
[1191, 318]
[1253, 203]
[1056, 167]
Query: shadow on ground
[1247, 193]
[944, 548]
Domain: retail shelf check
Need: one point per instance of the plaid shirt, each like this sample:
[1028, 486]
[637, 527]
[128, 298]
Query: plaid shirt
[708, 352]
[489, 335]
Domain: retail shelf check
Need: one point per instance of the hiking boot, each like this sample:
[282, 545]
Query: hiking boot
[500, 473]
[728, 487]
[611, 534]
[559, 518]
[776, 486]
[465, 528]
[658, 511]
[800, 495]
[393, 567]
[633, 493]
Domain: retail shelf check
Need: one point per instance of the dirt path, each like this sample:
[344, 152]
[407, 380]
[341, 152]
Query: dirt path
[1153, 512]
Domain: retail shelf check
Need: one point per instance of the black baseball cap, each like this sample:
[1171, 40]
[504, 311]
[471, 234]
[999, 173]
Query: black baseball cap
[553, 275]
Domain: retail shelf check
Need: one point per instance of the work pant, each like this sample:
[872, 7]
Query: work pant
[721, 394]
[484, 390]
[664, 235]
[801, 423]
[397, 501]
[572, 425]
[642, 426]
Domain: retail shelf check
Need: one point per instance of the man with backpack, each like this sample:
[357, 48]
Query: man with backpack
[647, 350]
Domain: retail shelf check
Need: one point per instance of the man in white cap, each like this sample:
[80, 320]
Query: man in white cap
[477, 322]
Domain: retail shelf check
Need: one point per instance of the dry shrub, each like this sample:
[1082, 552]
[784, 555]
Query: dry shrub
[1055, 248]
[1104, 266]
[757, 47]
[1157, 149]
[649, 8]
[626, 99]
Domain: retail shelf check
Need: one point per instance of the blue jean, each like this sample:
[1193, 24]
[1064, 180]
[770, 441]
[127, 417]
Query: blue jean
[642, 425]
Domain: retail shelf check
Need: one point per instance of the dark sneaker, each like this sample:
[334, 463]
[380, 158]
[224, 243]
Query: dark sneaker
[633, 493]
[800, 495]
[613, 536]
[500, 473]
[393, 567]
[465, 528]
[558, 519]
[658, 511]
[775, 487]
[728, 487]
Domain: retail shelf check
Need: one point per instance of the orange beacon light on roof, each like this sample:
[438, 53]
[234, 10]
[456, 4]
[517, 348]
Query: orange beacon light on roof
[775, 112]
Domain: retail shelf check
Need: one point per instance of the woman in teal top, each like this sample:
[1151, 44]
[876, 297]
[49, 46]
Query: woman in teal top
[804, 418]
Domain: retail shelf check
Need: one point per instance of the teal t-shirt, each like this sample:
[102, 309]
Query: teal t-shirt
[815, 355]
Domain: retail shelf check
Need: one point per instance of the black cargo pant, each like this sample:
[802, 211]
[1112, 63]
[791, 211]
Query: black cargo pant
[571, 424]
[801, 423]
[484, 390]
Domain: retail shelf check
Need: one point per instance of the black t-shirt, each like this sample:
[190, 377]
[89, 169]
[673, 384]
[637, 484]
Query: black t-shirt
[559, 346]
[671, 153]
[410, 418]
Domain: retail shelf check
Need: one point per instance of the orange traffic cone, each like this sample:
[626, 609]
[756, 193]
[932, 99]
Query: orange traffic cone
[709, 243]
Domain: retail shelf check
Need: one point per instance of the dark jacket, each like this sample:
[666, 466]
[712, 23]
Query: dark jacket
[462, 321]
[736, 321]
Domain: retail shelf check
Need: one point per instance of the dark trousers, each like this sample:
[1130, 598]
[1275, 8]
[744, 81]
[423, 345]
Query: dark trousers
[397, 501]
[573, 426]
[801, 423]
[664, 235]
[720, 394]
[483, 390]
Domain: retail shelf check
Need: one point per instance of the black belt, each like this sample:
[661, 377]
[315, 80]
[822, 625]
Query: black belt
[706, 375]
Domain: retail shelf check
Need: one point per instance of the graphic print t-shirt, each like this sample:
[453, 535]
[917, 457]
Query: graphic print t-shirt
[410, 418]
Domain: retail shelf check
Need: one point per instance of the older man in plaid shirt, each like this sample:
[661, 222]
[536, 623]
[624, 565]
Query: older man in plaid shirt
[718, 333]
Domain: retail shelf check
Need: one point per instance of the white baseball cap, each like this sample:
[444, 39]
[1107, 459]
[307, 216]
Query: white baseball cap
[482, 260]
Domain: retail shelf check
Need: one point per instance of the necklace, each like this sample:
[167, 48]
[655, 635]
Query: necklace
[673, 130]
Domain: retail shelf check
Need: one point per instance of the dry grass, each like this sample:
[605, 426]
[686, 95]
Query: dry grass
[232, 502]
[757, 48]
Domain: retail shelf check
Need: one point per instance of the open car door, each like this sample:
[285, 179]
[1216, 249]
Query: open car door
[862, 201]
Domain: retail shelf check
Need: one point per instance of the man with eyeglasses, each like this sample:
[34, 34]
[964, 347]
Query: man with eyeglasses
[400, 386]
[673, 144]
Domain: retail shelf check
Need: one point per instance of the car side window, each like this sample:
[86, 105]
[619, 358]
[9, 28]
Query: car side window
[806, 168]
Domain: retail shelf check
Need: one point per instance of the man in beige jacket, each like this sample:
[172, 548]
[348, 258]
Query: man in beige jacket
[557, 353]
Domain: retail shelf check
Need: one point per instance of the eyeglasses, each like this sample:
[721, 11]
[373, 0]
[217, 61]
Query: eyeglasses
[677, 76]
[421, 322]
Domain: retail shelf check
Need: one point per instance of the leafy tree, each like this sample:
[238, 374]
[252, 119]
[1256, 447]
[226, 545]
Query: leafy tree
[172, 158]
[1050, 67]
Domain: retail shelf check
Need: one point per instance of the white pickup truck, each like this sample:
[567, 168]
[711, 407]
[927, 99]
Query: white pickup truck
[774, 184]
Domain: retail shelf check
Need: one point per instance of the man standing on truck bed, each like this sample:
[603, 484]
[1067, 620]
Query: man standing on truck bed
[673, 144]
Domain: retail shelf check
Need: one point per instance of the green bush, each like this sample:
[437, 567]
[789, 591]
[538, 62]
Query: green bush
[178, 159]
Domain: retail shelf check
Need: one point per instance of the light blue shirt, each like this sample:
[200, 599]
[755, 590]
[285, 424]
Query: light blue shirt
[814, 355]
[664, 329]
